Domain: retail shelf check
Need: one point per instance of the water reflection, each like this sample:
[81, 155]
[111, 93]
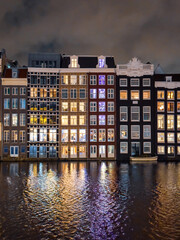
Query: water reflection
[89, 200]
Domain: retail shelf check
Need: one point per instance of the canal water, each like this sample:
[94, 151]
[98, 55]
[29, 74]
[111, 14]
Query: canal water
[82, 201]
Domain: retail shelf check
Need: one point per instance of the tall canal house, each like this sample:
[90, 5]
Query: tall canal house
[71, 107]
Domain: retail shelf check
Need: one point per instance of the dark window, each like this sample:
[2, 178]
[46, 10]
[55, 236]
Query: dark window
[5, 149]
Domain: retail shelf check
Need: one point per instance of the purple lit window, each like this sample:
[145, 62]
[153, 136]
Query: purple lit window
[102, 93]
[93, 93]
[102, 107]
[101, 63]
[101, 79]
[102, 120]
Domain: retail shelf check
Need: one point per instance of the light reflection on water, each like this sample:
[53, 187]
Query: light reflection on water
[82, 200]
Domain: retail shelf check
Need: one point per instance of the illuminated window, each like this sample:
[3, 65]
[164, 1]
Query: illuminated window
[82, 119]
[52, 152]
[73, 106]
[123, 114]
[102, 80]
[33, 92]
[102, 120]
[102, 151]
[102, 93]
[93, 151]
[73, 120]
[178, 121]
[93, 135]
[42, 151]
[73, 135]
[178, 150]
[82, 107]
[22, 119]
[82, 135]
[123, 95]
[64, 120]
[73, 93]
[64, 151]
[93, 106]
[14, 91]
[135, 82]
[22, 103]
[93, 93]
[43, 119]
[146, 82]
[160, 94]
[110, 93]
[111, 151]
[178, 94]
[160, 137]
[178, 137]
[147, 131]
[6, 119]
[14, 119]
[6, 91]
[33, 151]
[110, 119]
[160, 121]
[135, 132]
[102, 106]
[6, 103]
[170, 95]
[6, 136]
[134, 95]
[22, 136]
[82, 151]
[147, 147]
[64, 93]
[33, 135]
[93, 120]
[160, 106]
[170, 122]
[43, 93]
[82, 80]
[101, 62]
[135, 114]
[52, 119]
[43, 106]
[52, 135]
[93, 80]
[33, 119]
[14, 103]
[43, 135]
[146, 94]
[170, 150]
[73, 80]
[64, 106]
[74, 62]
[170, 137]
[110, 135]
[64, 80]
[123, 147]
[123, 132]
[123, 82]
[52, 93]
[102, 135]
[178, 106]
[110, 107]
[14, 137]
[160, 150]
[147, 113]
[82, 93]
[110, 80]
[33, 106]
[170, 107]
[64, 135]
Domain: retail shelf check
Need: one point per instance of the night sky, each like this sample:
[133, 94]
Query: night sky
[147, 29]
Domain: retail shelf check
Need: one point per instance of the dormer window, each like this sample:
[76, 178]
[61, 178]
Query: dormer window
[74, 62]
[168, 78]
[101, 62]
[14, 73]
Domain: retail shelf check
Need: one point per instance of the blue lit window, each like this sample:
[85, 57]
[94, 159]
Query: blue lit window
[102, 80]
[23, 149]
[22, 103]
[101, 63]
[42, 151]
[102, 106]
[102, 93]
[93, 93]
[6, 103]
[5, 149]
[33, 151]
[102, 120]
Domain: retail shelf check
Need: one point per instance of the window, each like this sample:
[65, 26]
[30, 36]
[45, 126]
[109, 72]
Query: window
[110, 135]
[102, 80]
[82, 107]
[168, 78]
[160, 106]
[102, 151]
[14, 103]
[33, 135]
[73, 135]
[135, 114]
[146, 131]
[93, 135]
[14, 91]
[146, 94]
[64, 135]
[123, 147]
[93, 107]
[74, 62]
[14, 151]
[93, 93]
[178, 137]
[64, 151]
[93, 151]
[82, 80]
[170, 122]
[82, 120]
[6, 136]
[64, 106]
[6, 149]
[134, 95]
[33, 79]
[73, 93]
[52, 106]
[43, 119]
[73, 80]
[42, 151]
[33, 92]
[52, 135]
[135, 82]
[170, 107]
[102, 135]
[43, 80]
[6, 91]
[22, 119]
[64, 120]
[102, 93]
[33, 106]
[110, 119]
[23, 149]
[52, 152]
[160, 137]
[22, 136]
[82, 93]
[93, 80]
[82, 135]
[101, 62]
[110, 107]
[64, 80]
[43, 135]
[170, 137]
[160, 94]
[110, 150]
[102, 106]
[14, 119]
[82, 151]
[178, 150]
[22, 103]
[170, 150]
[110, 93]
[53, 80]
[123, 95]
[52, 93]
[123, 132]
[160, 150]
[110, 80]
[178, 121]
[52, 119]
[73, 106]
[178, 106]
[102, 120]
[93, 120]
[146, 82]
[123, 82]
[170, 95]
[178, 94]
[147, 147]
[43, 92]
[33, 151]
[160, 121]
[146, 113]
[135, 132]
[73, 120]
[6, 103]
[123, 114]
[14, 137]
[6, 119]
[64, 93]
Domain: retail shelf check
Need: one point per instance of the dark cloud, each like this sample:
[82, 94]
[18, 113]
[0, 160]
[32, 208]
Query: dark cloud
[122, 28]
